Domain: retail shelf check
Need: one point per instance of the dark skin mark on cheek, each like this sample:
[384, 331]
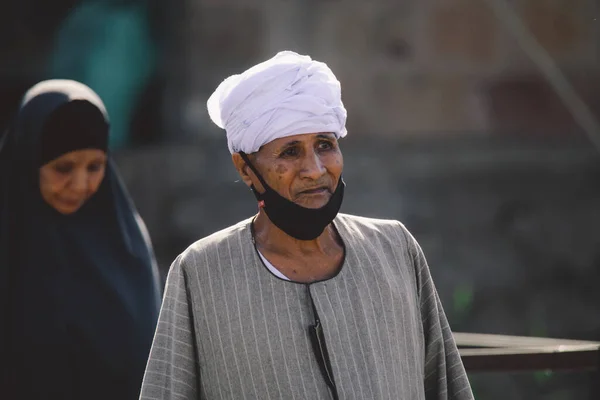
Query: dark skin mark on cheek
[281, 169]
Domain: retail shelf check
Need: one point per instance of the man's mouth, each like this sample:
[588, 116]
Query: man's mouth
[317, 190]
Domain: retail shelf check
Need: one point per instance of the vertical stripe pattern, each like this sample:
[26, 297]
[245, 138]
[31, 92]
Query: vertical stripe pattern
[229, 329]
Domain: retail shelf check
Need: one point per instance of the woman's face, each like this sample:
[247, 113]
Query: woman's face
[68, 181]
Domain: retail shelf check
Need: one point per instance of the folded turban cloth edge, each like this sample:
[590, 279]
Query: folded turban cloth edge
[287, 95]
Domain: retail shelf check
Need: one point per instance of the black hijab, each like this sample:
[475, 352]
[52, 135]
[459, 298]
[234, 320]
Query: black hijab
[80, 292]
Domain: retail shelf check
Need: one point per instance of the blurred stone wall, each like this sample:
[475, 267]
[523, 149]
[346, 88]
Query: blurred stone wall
[406, 66]
[453, 130]
[511, 228]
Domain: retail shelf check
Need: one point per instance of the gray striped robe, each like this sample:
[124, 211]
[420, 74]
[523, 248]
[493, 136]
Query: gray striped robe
[230, 329]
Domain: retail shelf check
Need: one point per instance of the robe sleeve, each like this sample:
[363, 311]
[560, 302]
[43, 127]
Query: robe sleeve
[172, 371]
[444, 374]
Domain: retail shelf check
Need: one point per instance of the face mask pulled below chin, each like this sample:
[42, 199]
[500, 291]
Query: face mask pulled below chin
[299, 222]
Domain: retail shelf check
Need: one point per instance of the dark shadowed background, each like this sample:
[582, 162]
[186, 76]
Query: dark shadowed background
[453, 129]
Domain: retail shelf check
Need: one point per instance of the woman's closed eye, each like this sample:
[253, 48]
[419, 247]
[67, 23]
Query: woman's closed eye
[63, 168]
[95, 167]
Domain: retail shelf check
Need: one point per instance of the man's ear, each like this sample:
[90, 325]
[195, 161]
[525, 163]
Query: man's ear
[242, 168]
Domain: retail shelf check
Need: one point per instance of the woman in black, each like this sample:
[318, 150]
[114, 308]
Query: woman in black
[79, 284]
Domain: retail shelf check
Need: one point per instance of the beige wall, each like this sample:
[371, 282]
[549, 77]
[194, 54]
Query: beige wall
[421, 66]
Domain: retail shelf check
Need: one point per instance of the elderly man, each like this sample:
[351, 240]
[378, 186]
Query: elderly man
[299, 302]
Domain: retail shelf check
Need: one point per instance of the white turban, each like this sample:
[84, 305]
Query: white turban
[289, 94]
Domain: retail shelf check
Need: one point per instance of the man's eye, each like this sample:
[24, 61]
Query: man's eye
[289, 152]
[325, 145]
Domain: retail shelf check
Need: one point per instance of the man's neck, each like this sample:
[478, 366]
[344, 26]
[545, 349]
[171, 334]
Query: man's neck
[270, 238]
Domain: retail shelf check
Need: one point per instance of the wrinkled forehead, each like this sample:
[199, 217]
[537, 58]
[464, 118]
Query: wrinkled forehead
[302, 138]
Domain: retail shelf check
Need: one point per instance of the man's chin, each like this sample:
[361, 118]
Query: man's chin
[313, 203]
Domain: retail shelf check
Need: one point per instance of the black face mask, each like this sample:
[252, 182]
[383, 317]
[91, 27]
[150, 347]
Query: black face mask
[299, 222]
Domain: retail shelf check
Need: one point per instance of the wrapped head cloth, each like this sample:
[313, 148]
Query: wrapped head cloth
[287, 95]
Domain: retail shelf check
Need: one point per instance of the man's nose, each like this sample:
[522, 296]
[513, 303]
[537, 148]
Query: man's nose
[312, 166]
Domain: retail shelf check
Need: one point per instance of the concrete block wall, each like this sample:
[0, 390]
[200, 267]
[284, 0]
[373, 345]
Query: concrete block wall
[411, 66]
[510, 228]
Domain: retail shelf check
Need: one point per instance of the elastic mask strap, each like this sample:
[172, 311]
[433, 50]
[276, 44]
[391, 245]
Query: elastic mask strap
[260, 178]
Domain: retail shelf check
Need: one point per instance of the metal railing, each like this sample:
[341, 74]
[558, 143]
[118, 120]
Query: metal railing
[485, 352]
